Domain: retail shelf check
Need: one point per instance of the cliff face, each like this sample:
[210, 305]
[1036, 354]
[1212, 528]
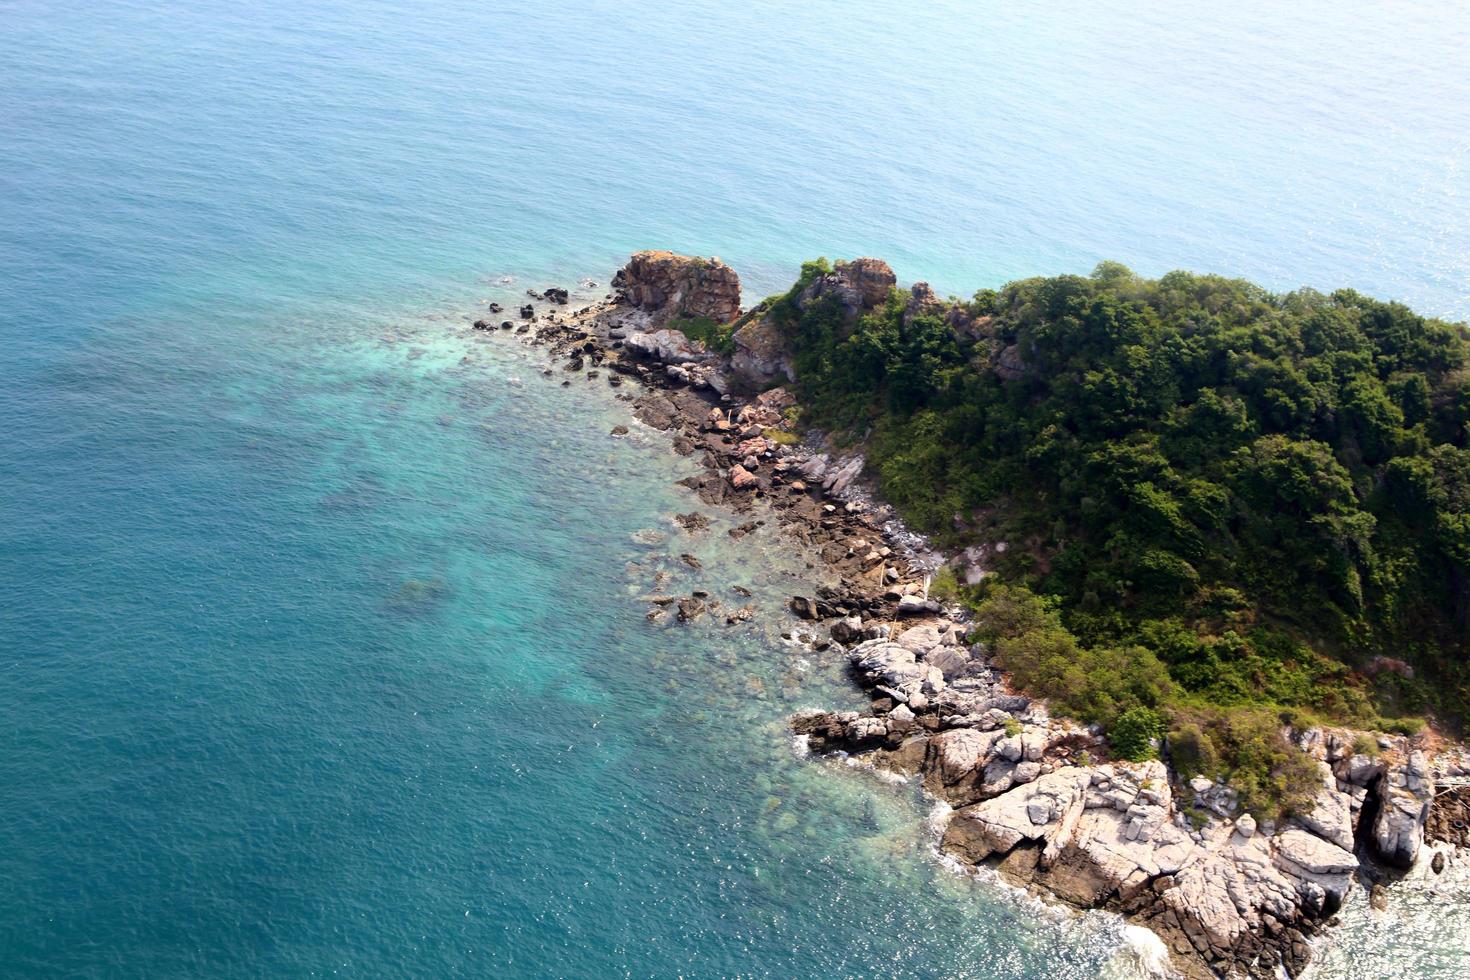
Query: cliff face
[668, 287]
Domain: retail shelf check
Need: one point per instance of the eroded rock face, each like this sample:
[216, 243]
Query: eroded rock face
[1331, 816]
[1404, 795]
[761, 357]
[922, 301]
[667, 286]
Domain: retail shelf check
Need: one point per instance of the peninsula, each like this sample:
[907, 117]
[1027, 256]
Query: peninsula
[1186, 636]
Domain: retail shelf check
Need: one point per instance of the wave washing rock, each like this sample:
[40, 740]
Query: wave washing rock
[666, 286]
[1227, 897]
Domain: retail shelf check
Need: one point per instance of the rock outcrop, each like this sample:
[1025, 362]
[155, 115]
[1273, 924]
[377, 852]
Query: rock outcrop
[858, 286]
[761, 356]
[1028, 793]
[666, 286]
[668, 346]
[1404, 795]
[1228, 896]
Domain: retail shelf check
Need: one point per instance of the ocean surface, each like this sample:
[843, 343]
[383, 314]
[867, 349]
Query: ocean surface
[320, 648]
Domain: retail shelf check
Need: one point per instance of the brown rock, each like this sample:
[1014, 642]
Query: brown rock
[922, 300]
[859, 286]
[670, 286]
[872, 278]
[741, 478]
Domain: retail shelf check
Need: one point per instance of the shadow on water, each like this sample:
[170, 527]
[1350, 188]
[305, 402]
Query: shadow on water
[417, 598]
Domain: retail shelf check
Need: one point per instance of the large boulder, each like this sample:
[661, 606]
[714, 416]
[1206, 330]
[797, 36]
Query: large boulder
[666, 286]
[761, 357]
[1302, 854]
[840, 476]
[668, 346]
[1040, 811]
[1331, 814]
[897, 672]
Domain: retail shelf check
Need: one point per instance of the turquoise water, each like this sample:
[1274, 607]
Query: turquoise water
[319, 642]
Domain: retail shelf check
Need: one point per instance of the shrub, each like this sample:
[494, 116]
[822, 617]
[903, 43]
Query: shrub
[1272, 776]
[1192, 752]
[1402, 726]
[1133, 733]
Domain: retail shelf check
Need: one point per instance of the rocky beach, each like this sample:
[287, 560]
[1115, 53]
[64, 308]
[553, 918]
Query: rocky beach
[1042, 800]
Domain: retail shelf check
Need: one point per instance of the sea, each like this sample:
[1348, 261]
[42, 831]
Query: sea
[322, 648]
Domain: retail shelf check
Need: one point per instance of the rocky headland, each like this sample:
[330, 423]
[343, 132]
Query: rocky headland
[1040, 799]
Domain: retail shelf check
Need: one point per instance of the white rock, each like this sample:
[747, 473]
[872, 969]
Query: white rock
[1312, 854]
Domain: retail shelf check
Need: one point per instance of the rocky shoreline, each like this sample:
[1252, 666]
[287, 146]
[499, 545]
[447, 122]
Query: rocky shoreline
[1035, 797]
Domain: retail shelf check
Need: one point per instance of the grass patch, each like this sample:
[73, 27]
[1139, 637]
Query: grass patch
[718, 337]
[781, 437]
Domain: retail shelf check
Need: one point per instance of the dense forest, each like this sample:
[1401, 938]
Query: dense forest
[1223, 508]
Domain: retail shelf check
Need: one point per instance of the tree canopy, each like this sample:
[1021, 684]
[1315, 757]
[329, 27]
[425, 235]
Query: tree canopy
[1267, 494]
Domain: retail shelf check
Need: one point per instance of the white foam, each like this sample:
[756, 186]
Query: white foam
[1145, 951]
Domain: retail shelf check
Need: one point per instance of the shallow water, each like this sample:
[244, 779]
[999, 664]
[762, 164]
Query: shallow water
[343, 668]
[318, 623]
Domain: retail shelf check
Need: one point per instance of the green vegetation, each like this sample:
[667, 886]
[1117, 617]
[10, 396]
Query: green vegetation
[944, 585]
[1221, 504]
[717, 337]
[1134, 732]
[781, 437]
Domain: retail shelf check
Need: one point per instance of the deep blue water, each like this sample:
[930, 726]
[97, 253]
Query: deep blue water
[319, 648]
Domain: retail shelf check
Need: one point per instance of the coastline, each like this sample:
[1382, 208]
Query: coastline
[1033, 797]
